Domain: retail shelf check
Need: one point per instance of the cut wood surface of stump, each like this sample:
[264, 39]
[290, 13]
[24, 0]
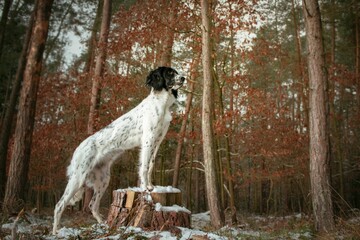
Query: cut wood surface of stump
[159, 209]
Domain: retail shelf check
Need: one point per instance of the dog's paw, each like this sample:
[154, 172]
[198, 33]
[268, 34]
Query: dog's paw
[150, 187]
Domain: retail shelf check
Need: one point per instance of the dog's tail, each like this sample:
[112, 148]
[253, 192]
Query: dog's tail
[77, 197]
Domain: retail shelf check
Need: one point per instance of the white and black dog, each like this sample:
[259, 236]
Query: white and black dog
[145, 126]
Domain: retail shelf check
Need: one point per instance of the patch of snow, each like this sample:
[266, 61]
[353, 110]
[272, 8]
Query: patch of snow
[189, 233]
[21, 227]
[298, 236]
[113, 237]
[68, 232]
[138, 231]
[354, 220]
[186, 233]
[200, 220]
[157, 189]
[134, 189]
[173, 208]
[100, 228]
[250, 233]
[167, 189]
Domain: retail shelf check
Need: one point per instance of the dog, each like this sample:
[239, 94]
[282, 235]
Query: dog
[145, 126]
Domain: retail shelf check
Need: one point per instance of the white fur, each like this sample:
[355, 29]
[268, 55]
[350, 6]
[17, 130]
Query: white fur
[144, 126]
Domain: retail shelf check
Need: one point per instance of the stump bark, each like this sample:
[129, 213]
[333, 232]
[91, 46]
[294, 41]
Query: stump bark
[148, 210]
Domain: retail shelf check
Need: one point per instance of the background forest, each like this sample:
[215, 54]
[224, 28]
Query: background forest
[261, 95]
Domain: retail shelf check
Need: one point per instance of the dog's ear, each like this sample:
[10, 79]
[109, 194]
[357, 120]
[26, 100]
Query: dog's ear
[155, 80]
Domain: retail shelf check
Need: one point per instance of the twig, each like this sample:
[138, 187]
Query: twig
[13, 230]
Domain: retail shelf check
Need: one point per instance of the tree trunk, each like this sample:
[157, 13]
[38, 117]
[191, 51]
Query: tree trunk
[357, 52]
[7, 123]
[227, 169]
[92, 41]
[216, 214]
[166, 51]
[184, 123]
[131, 208]
[98, 74]
[319, 138]
[303, 83]
[19, 166]
[3, 22]
[60, 29]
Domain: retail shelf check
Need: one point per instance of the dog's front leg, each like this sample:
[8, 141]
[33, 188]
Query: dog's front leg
[147, 151]
[153, 157]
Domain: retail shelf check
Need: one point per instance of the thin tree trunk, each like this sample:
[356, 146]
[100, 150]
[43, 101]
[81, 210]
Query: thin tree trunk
[335, 122]
[92, 40]
[303, 81]
[228, 135]
[99, 65]
[228, 167]
[319, 137]
[7, 124]
[52, 42]
[216, 214]
[184, 123]
[3, 22]
[15, 188]
[98, 74]
[357, 51]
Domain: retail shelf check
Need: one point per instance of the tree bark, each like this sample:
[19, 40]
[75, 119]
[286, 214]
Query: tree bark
[357, 52]
[98, 74]
[7, 123]
[303, 83]
[184, 123]
[19, 166]
[319, 137]
[3, 22]
[131, 208]
[166, 51]
[92, 41]
[216, 214]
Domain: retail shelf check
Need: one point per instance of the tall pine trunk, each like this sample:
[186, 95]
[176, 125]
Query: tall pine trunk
[3, 21]
[92, 41]
[7, 124]
[19, 166]
[357, 52]
[98, 74]
[166, 48]
[319, 136]
[216, 214]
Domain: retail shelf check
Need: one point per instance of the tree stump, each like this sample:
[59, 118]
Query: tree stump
[156, 210]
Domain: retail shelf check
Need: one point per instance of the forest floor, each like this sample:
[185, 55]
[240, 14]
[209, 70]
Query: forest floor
[78, 225]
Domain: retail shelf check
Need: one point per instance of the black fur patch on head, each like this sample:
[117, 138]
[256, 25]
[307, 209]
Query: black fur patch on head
[161, 78]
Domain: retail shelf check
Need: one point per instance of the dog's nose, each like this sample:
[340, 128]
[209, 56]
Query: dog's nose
[182, 79]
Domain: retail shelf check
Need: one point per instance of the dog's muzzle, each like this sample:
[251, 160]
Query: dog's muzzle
[179, 81]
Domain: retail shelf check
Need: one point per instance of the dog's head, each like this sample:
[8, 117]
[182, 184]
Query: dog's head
[165, 78]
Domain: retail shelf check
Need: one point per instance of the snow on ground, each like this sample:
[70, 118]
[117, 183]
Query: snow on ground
[173, 208]
[249, 227]
[157, 189]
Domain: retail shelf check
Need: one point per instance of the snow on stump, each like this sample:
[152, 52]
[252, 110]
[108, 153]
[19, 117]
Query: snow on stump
[156, 210]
